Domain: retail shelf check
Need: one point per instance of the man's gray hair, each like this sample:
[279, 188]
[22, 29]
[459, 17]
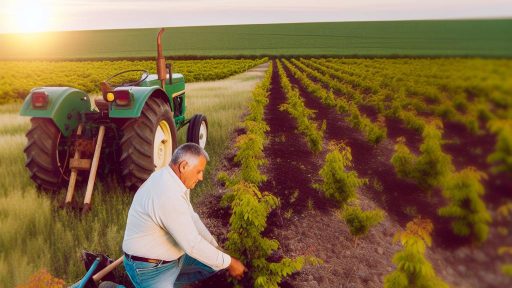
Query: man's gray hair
[189, 152]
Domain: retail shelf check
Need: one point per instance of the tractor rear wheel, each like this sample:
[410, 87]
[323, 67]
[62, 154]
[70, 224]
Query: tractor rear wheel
[197, 131]
[47, 154]
[147, 143]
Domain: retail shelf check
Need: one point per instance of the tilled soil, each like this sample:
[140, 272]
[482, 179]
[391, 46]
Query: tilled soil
[307, 223]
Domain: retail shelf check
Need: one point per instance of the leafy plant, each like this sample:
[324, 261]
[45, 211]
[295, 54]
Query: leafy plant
[359, 221]
[413, 270]
[463, 191]
[501, 158]
[338, 183]
[250, 156]
[250, 209]
[403, 160]
[507, 269]
[431, 167]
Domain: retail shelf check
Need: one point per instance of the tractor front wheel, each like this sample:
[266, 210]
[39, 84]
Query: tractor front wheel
[147, 143]
[47, 154]
[197, 131]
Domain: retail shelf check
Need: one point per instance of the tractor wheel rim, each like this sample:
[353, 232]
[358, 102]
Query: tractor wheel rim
[203, 134]
[162, 145]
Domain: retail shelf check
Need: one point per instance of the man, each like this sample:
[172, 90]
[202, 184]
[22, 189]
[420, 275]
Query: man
[165, 243]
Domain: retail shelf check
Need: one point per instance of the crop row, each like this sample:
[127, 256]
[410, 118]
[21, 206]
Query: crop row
[460, 90]
[294, 105]
[413, 101]
[18, 77]
[432, 168]
[462, 189]
[374, 132]
[250, 207]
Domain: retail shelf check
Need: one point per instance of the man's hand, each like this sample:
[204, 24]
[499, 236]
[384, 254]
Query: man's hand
[236, 269]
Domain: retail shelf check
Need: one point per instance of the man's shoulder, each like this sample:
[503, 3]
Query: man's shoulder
[162, 182]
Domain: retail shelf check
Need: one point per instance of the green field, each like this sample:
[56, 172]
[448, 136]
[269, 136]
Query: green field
[379, 38]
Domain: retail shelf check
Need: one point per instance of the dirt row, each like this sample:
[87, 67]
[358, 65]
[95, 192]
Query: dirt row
[307, 223]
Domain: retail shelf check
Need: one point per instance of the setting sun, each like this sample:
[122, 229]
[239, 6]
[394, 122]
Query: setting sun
[28, 16]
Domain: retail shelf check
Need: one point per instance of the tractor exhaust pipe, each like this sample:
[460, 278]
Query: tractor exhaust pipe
[160, 60]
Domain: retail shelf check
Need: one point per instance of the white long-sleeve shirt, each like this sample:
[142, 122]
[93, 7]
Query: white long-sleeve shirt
[163, 225]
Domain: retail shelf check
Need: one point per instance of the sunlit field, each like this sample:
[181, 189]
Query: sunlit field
[36, 234]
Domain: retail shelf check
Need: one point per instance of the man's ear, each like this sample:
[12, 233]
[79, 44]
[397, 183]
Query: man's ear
[183, 166]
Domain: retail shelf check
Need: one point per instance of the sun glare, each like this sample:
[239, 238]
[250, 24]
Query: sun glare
[30, 16]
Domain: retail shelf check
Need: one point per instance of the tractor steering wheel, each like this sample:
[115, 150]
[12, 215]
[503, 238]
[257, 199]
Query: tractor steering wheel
[144, 75]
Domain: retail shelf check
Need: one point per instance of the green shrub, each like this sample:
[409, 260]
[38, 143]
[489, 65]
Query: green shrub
[507, 269]
[337, 183]
[501, 158]
[250, 156]
[413, 270]
[431, 167]
[412, 121]
[250, 209]
[403, 160]
[463, 191]
[359, 221]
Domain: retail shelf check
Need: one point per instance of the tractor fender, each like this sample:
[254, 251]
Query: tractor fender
[65, 106]
[139, 97]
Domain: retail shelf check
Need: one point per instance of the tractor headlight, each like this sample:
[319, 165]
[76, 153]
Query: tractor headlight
[110, 97]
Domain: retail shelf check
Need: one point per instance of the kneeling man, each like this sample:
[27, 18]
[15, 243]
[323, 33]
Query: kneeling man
[165, 243]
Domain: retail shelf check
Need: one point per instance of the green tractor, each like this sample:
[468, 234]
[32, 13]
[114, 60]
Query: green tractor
[135, 124]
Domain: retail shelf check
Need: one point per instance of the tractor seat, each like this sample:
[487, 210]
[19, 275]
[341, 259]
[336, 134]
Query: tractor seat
[101, 104]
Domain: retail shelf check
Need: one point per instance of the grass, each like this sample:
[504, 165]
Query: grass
[35, 234]
[412, 38]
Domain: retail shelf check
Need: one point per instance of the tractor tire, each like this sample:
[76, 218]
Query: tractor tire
[197, 131]
[148, 143]
[48, 165]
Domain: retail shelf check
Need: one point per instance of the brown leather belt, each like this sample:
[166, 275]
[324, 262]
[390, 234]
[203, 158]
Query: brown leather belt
[144, 259]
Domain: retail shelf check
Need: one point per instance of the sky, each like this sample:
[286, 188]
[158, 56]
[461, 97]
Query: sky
[22, 16]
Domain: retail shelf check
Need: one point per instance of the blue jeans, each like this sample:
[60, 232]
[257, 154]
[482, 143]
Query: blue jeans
[177, 273]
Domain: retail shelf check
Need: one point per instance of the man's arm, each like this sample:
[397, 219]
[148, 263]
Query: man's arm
[176, 218]
[203, 231]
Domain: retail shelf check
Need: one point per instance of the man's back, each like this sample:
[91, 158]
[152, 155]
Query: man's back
[145, 233]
